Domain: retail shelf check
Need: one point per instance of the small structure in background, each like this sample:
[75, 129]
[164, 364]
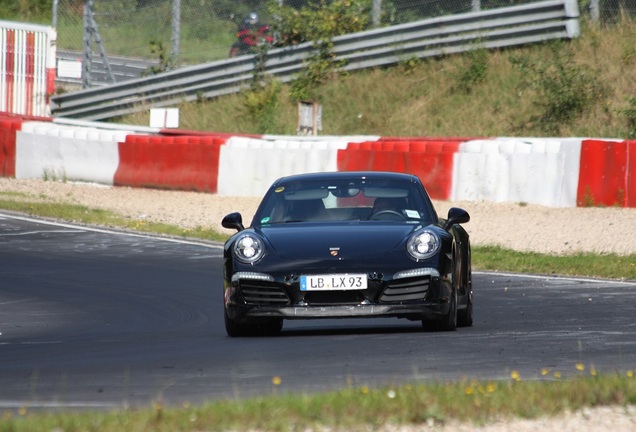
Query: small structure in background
[69, 69]
[27, 68]
[164, 117]
[309, 118]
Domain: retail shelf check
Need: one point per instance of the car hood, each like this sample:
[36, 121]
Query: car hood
[318, 240]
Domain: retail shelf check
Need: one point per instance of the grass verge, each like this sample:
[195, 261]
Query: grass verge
[81, 214]
[359, 408]
[609, 266]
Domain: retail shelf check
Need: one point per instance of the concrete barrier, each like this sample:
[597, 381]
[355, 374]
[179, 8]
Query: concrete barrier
[431, 159]
[248, 166]
[9, 126]
[169, 162]
[607, 173]
[528, 170]
[554, 172]
[50, 151]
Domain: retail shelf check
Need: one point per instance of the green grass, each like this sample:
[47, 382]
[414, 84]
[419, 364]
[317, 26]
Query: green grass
[356, 408]
[84, 215]
[610, 266]
[485, 93]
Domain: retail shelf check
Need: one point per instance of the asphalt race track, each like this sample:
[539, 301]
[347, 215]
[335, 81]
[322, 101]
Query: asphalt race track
[102, 319]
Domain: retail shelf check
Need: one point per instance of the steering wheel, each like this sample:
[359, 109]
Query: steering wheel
[387, 215]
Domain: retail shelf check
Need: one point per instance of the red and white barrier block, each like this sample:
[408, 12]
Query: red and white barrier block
[554, 172]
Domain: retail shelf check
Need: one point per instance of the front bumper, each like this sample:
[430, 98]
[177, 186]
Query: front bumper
[425, 296]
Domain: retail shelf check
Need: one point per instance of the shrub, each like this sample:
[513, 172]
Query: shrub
[318, 23]
[473, 69]
[261, 102]
[563, 90]
[630, 114]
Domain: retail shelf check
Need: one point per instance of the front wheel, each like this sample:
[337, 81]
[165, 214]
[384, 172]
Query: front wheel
[465, 316]
[233, 328]
[448, 322]
[271, 327]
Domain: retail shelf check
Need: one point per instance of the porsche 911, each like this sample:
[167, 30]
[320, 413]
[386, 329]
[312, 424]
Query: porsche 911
[347, 245]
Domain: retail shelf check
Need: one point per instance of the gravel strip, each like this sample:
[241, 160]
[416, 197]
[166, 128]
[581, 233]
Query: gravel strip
[516, 226]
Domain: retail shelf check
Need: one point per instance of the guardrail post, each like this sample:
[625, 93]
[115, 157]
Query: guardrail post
[86, 43]
[176, 30]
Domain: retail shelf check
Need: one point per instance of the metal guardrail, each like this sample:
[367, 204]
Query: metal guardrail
[496, 28]
[122, 68]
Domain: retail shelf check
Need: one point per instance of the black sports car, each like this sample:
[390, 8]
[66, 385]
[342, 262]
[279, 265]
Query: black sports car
[344, 245]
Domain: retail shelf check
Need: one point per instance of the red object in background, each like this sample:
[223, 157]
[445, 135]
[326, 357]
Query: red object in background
[250, 38]
[606, 174]
[9, 126]
[430, 160]
[168, 162]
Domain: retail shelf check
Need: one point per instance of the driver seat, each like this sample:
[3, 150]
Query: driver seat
[307, 210]
[381, 204]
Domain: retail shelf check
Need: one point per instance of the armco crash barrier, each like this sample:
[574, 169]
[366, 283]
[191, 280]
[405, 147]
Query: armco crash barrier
[608, 173]
[169, 162]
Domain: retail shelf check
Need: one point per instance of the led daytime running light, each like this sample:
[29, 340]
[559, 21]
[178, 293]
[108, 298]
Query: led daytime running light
[416, 272]
[252, 276]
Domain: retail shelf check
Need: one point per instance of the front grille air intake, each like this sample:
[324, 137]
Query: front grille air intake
[263, 294]
[406, 290]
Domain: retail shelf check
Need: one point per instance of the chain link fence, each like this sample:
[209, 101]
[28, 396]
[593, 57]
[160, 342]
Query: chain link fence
[195, 31]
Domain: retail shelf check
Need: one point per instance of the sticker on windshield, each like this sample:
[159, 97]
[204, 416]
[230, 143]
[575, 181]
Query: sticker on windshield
[414, 214]
[265, 219]
[279, 189]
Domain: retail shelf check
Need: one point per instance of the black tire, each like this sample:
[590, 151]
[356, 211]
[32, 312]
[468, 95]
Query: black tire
[234, 329]
[465, 316]
[448, 322]
[271, 327]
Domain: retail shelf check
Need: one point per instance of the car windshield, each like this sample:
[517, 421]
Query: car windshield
[345, 200]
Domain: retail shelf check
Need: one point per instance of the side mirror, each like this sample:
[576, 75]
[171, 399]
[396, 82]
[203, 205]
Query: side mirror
[233, 221]
[456, 216]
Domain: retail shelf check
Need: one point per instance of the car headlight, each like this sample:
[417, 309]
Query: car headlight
[248, 248]
[423, 244]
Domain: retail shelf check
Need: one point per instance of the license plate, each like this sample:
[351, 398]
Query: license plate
[333, 282]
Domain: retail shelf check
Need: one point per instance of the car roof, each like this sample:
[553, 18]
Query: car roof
[343, 175]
